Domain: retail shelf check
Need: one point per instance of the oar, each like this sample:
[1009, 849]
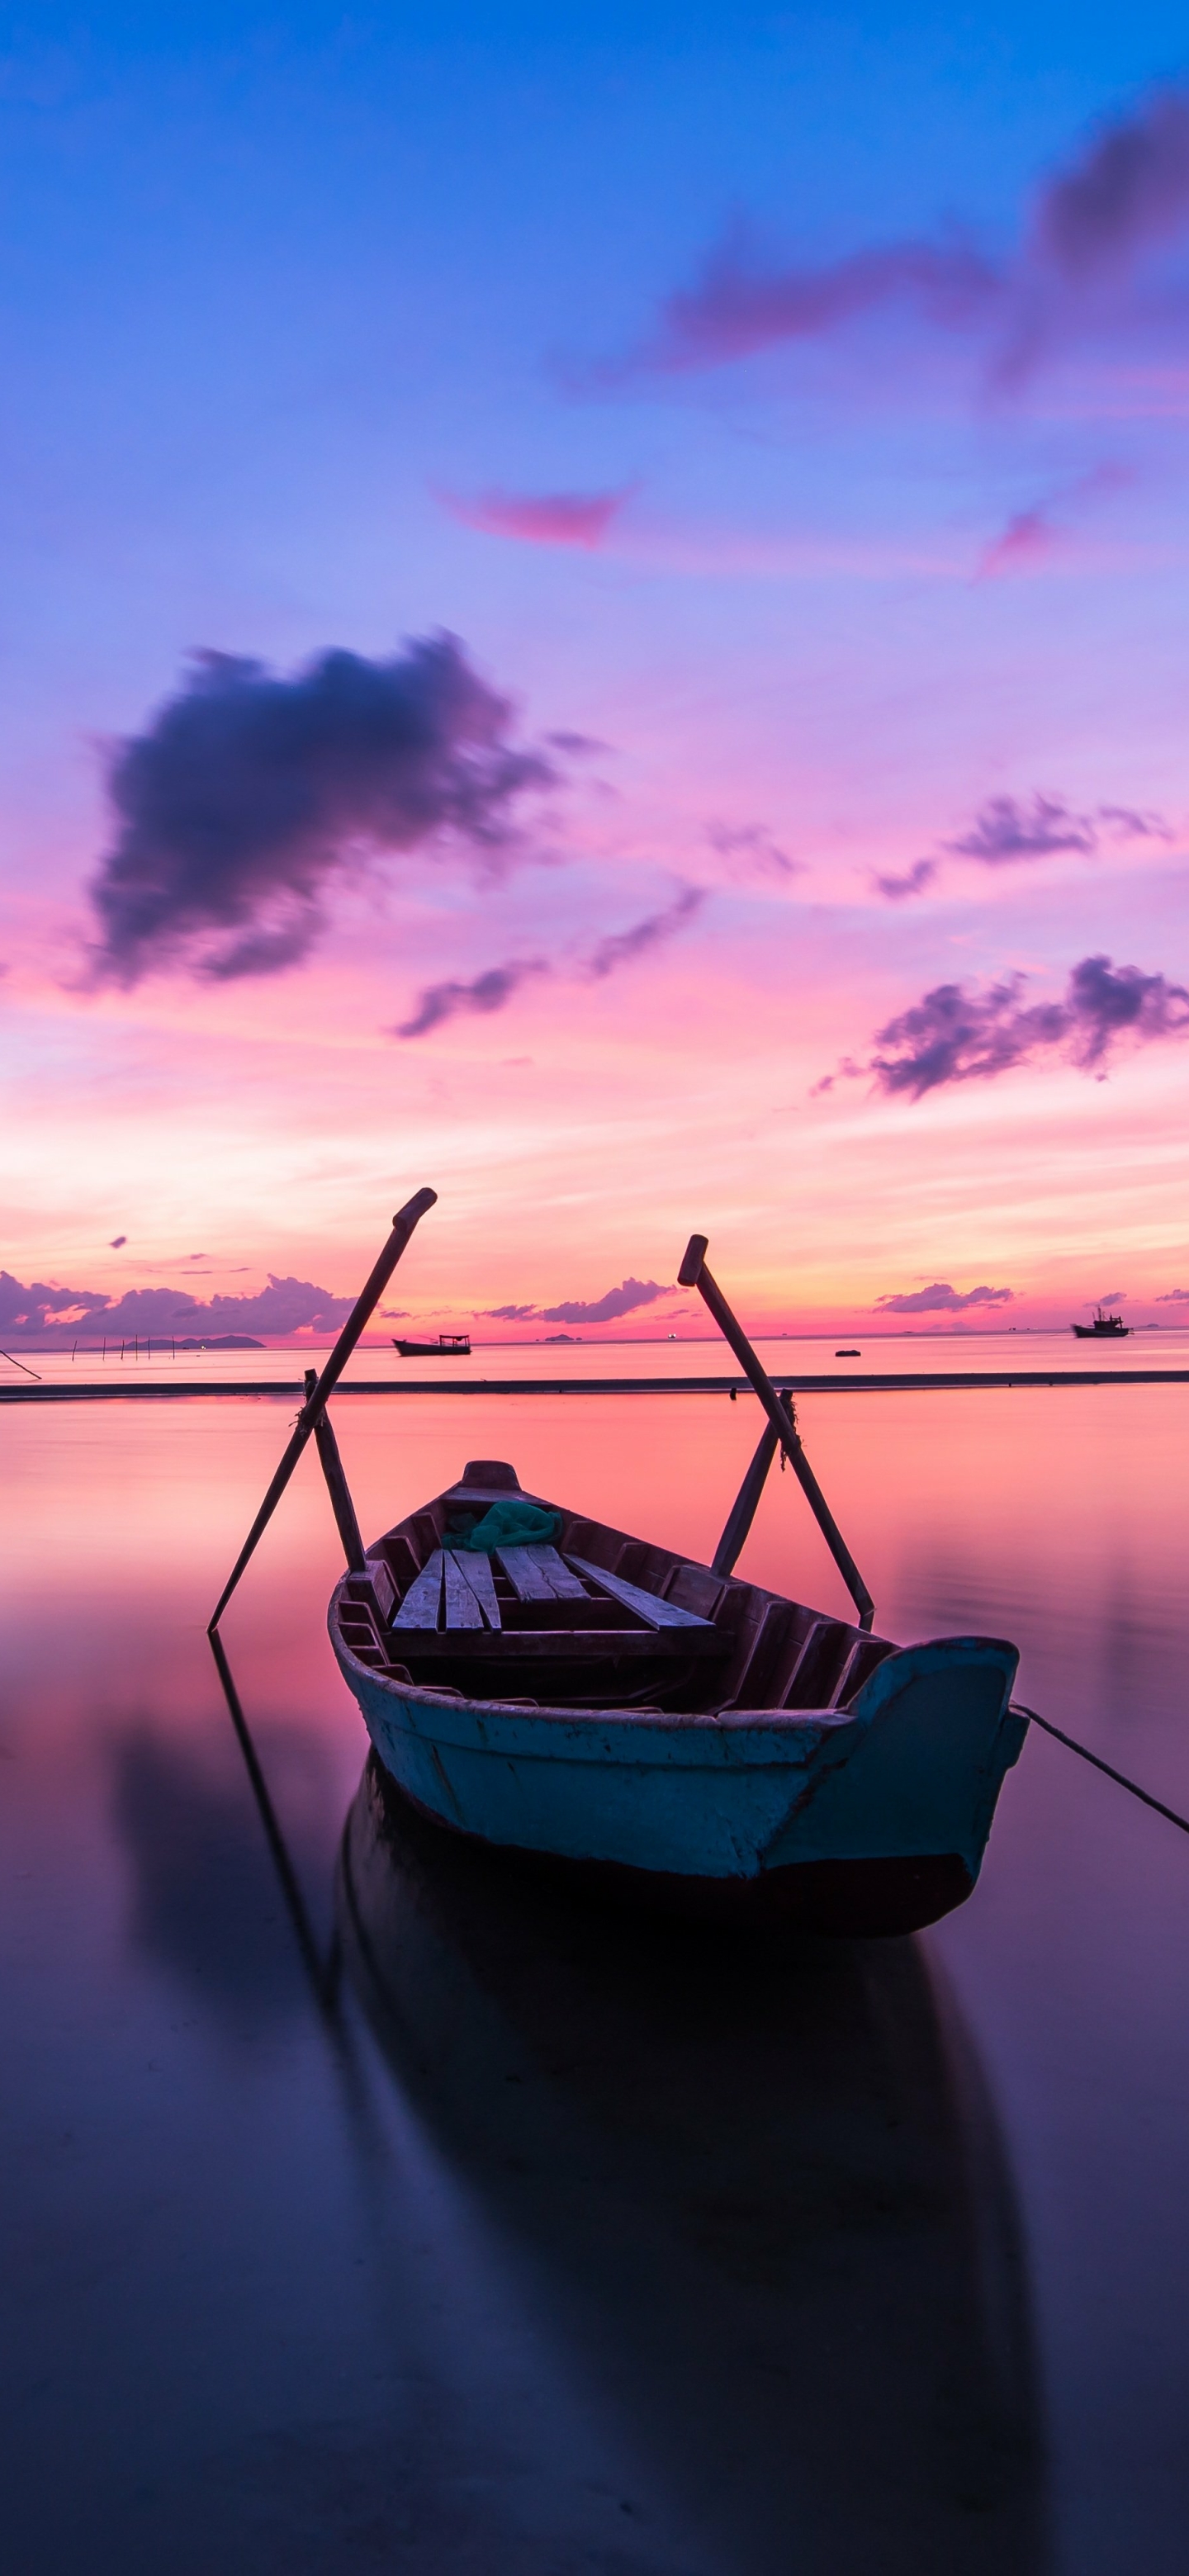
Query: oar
[694, 1274]
[402, 1226]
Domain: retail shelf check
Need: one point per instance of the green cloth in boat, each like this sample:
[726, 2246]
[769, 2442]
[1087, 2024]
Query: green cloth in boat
[512, 1524]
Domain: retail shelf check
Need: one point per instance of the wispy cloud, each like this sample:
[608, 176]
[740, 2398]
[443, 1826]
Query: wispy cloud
[1173, 1297]
[624, 1300]
[1033, 537]
[496, 986]
[942, 1299]
[541, 518]
[1010, 830]
[750, 851]
[621, 946]
[915, 880]
[1091, 228]
[486, 992]
[738, 306]
[248, 792]
[1004, 830]
[958, 1034]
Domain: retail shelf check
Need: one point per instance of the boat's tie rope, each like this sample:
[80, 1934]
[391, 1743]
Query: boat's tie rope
[1120, 1777]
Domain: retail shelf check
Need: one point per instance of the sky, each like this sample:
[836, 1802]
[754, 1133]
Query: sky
[594, 616]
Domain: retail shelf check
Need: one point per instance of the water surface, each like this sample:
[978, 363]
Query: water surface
[521, 2238]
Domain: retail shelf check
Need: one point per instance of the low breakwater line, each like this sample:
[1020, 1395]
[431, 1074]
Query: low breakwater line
[937, 1383]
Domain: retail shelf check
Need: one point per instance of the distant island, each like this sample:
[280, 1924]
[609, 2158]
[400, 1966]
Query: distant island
[222, 1342]
[562, 1337]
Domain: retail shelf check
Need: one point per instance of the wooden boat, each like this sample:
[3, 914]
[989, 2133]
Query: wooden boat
[1105, 1328]
[448, 1346]
[608, 1708]
[653, 1727]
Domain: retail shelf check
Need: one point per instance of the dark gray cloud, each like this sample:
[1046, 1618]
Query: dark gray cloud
[915, 880]
[248, 792]
[1004, 830]
[50, 1310]
[486, 992]
[622, 945]
[1092, 225]
[942, 1299]
[957, 1034]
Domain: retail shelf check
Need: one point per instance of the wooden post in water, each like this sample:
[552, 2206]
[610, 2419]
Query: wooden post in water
[694, 1274]
[336, 1483]
[361, 1313]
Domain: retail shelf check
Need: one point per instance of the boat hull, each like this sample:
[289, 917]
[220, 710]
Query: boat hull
[863, 1820]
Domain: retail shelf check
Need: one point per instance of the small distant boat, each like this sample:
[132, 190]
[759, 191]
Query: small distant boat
[448, 1346]
[848, 1355]
[1105, 1328]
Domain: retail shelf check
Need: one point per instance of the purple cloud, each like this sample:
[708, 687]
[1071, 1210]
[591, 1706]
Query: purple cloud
[248, 793]
[942, 1299]
[624, 1300]
[1004, 830]
[737, 307]
[1128, 825]
[1172, 1296]
[1122, 199]
[958, 1035]
[916, 880]
[486, 992]
[1129, 194]
[284, 1306]
[750, 850]
[496, 986]
[622, 945]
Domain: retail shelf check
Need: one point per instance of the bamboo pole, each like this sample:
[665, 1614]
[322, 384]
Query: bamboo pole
[361, 1313]
[694, 1274]
[336, 1484]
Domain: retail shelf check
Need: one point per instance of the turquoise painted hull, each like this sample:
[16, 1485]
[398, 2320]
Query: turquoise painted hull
[864, 1819]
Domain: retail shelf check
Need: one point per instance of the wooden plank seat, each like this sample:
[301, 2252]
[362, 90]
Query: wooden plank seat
[647, 1605]
[470, 1579]
[537, 1573]
[423, 1600]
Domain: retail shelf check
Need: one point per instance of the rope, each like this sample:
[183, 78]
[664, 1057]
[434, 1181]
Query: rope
[1120, 1777]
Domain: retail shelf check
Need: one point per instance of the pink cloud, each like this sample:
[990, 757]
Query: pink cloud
[1028, 541]
[541, 518]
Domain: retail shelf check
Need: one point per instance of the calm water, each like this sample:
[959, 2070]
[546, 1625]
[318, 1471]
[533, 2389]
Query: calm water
[519, 2238]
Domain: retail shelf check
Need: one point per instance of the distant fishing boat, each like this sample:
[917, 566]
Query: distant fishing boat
[448, 1346]
[1105, 1328]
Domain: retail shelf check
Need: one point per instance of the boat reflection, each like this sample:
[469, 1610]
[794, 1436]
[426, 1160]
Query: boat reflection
[759, 2187]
